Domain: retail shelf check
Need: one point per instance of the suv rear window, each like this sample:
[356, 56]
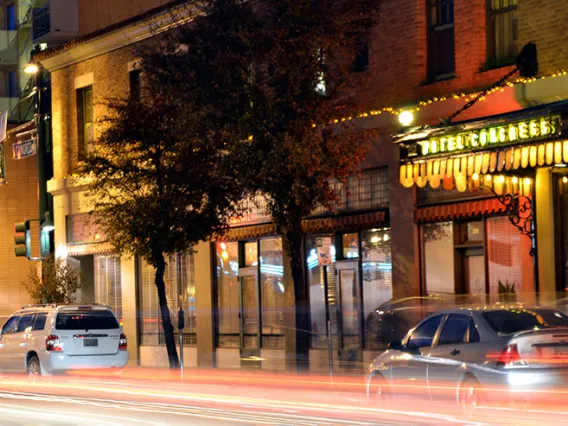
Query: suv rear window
[86, 320]
[508, 322]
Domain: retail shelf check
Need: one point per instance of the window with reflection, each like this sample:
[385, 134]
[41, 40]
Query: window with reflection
[377, 268]
[227, 254]
[317, 294]
[272, 293]
[180, 291]
[350, 245]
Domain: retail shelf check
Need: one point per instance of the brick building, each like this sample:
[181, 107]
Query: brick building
[432, 55]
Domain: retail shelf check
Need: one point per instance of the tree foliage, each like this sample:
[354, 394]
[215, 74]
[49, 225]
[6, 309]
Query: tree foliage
[277, 76]
[57, 283]
[157, 184]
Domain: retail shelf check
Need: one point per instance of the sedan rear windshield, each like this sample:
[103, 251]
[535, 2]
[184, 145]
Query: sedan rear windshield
[514, 321]
[86, 320]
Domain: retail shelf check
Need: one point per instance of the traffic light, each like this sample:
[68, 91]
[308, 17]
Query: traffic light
[22, 239]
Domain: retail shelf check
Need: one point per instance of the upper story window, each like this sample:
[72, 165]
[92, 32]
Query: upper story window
[11, 23]
[12, 84]
[135, 85]
[502, 30]
[85, 120]
[361, 62]
[441, 52]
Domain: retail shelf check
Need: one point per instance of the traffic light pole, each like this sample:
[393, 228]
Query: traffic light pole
[44, 165]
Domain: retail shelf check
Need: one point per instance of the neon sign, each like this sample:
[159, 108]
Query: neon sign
[513, 133]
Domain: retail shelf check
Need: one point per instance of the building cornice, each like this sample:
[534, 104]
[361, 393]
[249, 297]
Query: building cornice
[122, 36]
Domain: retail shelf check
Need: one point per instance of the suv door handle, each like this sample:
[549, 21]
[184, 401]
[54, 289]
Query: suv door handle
[455, 352]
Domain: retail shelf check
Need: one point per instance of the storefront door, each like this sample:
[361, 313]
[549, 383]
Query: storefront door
[349, 314]
[249, 317]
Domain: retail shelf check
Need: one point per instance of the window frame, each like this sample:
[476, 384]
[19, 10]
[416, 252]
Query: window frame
[434, 337]
[82, 124]
[433, 73]
[466, 335]
[37, 316]
[491, 50]
[135, 84]
[11, 12]
[13, 317]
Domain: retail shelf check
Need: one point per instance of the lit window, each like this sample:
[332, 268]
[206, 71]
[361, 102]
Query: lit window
[501, 32]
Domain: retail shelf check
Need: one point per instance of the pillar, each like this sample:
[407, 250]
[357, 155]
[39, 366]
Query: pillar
[544, 201]
[129, 306]
[204, 305]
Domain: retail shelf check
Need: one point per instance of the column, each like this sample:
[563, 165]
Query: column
[129, 306]
[204, 305]
[544, 201]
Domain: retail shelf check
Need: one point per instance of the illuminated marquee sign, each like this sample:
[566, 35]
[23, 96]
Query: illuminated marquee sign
[513, 133]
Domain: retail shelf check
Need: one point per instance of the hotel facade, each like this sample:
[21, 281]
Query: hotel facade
[429, 213]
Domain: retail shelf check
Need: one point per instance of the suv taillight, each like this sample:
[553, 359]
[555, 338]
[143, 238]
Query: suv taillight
[509, 356]
[52, 343]
[122, 344]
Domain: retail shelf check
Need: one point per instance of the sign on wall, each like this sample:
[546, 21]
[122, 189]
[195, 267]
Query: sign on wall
[512, 133]
[323, 247]
[23, 149]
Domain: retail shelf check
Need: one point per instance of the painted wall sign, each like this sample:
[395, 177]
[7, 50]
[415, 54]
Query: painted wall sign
[512, 133]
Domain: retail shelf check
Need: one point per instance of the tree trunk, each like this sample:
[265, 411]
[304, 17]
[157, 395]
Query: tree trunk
[295, 242]
[165, 312]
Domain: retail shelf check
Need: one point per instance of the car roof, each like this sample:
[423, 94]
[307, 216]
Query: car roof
[54, 307]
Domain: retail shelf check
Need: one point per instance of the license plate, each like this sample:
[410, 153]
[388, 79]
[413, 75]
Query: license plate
[90, 342]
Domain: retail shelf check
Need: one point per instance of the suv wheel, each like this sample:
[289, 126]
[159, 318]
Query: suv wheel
[33, 367]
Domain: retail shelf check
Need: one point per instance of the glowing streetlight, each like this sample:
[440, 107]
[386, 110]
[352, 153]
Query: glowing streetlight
[406, 118]
[31, 68]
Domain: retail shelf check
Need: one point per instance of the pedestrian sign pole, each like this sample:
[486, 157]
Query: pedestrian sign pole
[323, 248]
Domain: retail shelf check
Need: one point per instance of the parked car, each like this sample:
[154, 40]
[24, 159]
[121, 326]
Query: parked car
[391, 320]
[47, 339]
[485, 355]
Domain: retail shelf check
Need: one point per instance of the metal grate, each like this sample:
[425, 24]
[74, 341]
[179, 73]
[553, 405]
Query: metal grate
[365, 191]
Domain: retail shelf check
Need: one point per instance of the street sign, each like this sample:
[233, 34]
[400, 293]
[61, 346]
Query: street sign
[323, 247]
[23, 149]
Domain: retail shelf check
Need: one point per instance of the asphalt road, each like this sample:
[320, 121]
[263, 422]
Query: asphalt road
[217, 397]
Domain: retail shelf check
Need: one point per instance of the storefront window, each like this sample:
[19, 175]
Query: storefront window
[351, 246]
[108, 284]
[251, 253]
[317, 294]
[272, 293]
[180, 291]
[377, 268]
[504, 259]
[439, 258]
[228, 294]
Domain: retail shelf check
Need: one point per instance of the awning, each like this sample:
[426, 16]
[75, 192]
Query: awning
[89, 248]
[356, 221]
[463, 171]
[461, 210]
[325, 224]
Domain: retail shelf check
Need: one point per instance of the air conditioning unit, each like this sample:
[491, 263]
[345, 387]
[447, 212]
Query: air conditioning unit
[56, 21]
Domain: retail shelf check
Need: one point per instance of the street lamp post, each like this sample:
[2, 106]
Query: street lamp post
[42, 101]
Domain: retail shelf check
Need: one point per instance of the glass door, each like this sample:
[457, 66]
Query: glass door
[349, 314]
[249, 316]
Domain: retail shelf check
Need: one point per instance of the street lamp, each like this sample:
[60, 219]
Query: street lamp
[31, 68]
[44, 161]
[406, 118]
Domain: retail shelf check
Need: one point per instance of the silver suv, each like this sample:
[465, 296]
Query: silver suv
[48, 339]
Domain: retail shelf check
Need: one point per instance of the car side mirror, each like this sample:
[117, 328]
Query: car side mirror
[396, 345]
